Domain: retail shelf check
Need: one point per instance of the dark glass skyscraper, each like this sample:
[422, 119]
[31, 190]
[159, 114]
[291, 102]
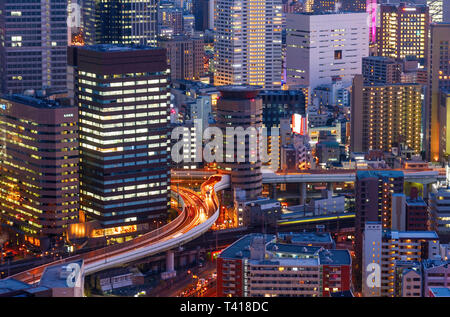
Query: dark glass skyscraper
[122, 96]
[33, 45]
[120, 22]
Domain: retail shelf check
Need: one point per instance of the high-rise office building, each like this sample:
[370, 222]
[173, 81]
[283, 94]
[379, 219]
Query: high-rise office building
[122, 96]
[436, 8]
[444, 123]
[39, 191]
[240, 107]
[403, 31]
[438, 82]
[247, 43]
[33, 45]
[120, 22]
[171, 18]
[353, 5]
[324, 47]
[373, 202]
[320, 6]
[381, 70]
[371, 253]
[185, 57]
[385, 115]
[203, 11]
[279, 104]
[446, 11]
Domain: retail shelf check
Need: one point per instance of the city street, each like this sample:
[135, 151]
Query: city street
[186, 281]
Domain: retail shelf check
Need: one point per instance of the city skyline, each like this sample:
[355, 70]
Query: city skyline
[224, 148]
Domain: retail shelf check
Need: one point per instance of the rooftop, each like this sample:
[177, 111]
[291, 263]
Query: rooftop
[292, 249]
[34, 101]
[304, 237]
[52, 278]
[440, 291]
[412, 235]
[328, 13]
[288, 252]
[10, 285]
[429, 263]
[116, 48]
[380, 58]
[415, 201]
[239, 91]
[240, 248]
[287, 262]
[377, 174]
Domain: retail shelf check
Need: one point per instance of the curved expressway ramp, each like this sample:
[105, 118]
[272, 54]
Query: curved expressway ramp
[199, 213]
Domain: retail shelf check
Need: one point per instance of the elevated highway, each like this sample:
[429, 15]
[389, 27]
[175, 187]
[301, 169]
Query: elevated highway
[199, 212]
[326, 176]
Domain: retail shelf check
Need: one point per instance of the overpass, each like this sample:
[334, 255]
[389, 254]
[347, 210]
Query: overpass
[319, 176]
[198, 214]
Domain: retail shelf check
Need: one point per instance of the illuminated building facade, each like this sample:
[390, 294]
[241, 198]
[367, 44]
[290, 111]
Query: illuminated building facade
[436, 10]
[122, 96]
[325, 47]
[413, 246]
[354, 5]
[324, 6]
[120, 22]
[279, 104]
[171, 18]
[384, 115]
[403, 31]
[33, 45]
[381, 70]
[260, 266]
[438, 82]
[373, 191]
[185, 57]
[247, 43]
[241, 107]
[439, 208]
[39, 191]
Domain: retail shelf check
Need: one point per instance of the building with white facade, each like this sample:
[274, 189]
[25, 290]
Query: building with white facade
[248, 43]
[386, 248]
[323, 47]
[371, 261]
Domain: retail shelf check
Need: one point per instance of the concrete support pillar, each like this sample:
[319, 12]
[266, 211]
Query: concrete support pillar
[302, 193]
[192, 258]
[330, 187]
[273, 191]
[425, 191]
[170, 261]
